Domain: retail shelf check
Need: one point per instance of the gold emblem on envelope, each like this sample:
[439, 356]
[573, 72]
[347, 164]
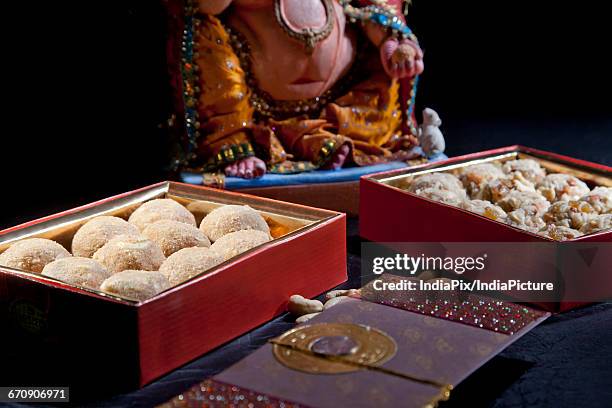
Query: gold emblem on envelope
[333, 348]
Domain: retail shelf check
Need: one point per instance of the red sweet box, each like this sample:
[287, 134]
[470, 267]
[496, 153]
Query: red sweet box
[54, 333]
[390, 214]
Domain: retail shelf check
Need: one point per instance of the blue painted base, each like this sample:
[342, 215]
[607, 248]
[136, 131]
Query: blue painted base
[313, 177]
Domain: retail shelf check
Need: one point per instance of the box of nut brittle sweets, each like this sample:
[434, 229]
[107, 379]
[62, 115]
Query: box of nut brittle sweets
[530, 215]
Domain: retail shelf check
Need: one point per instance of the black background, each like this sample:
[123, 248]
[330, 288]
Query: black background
[85, 89]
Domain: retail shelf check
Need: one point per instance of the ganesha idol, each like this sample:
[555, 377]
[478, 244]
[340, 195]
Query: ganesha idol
[287, 86]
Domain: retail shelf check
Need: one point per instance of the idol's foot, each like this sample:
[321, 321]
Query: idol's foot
[338, 159]
[248, 168]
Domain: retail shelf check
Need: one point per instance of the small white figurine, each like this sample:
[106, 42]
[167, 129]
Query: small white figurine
[430, 135]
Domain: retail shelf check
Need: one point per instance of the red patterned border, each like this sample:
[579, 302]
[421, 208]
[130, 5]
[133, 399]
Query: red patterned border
[213, 394]
[478, 311]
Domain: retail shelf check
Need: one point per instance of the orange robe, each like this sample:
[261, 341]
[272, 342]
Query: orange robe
[367, 117]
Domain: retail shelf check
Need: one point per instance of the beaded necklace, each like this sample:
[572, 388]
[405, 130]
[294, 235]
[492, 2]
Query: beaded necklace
[308, 36]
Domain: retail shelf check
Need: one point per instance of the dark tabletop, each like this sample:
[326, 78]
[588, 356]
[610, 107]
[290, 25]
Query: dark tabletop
[565, 362]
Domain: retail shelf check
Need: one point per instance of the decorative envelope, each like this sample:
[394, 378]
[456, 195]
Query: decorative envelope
[377, 351]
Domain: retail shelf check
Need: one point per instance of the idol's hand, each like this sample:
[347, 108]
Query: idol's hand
[401, 59]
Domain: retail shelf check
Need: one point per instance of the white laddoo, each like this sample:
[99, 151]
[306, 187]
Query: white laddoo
[527, 168]
[189, 262]
[440, 181]
[77, 271]
[160, 209]
[570, 214]
[97, 232]
[600, 199]
[134, 284]
[601, 222]
[560, 232]
[475, 177]
[130, 252]
[443, 196]
[485, 208]
[557, 187]
[231, 245]
[519, 199]
[231, 218]
[33, 254]
[172, 236]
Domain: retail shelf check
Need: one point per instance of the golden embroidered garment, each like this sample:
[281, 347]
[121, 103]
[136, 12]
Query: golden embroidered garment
[364, 114]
